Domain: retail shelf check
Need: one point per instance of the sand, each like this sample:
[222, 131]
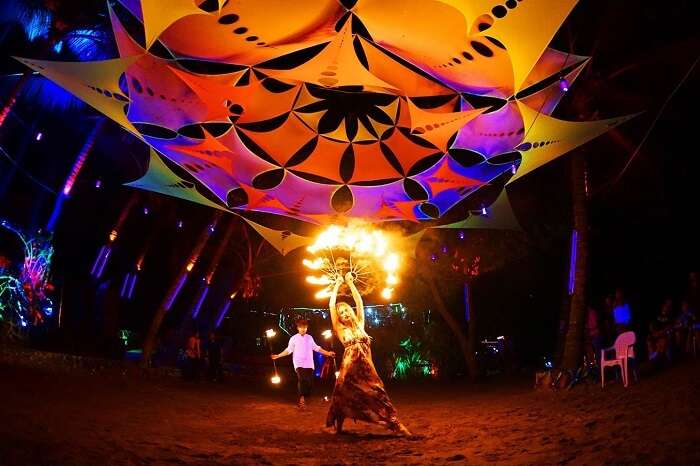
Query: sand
[54, 418]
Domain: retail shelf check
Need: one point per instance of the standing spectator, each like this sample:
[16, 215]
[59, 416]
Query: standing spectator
[193, 356]
[215, 356]
[622, 314]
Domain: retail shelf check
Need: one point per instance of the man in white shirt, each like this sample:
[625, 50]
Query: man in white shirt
[301, 347]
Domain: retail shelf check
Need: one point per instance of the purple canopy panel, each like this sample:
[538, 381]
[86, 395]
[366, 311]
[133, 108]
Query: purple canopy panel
[303, 197]
[368, 200]
[165, 101]
[492, 133]
[214, 178]
[444, 200]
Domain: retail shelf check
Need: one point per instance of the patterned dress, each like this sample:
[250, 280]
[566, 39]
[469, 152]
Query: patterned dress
[359, 392]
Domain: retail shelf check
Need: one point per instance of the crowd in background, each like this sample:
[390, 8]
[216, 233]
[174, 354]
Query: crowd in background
[670, 334]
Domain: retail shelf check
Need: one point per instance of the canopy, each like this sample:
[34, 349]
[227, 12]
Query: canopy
[308, 109]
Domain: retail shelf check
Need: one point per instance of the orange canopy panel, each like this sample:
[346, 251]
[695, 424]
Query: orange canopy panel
[250, 31]
[282, 143]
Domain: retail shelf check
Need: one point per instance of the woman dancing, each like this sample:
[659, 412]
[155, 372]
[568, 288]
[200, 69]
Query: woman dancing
[359, 392]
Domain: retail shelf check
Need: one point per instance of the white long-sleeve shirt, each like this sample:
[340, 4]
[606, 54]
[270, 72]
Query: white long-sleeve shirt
[302, 349]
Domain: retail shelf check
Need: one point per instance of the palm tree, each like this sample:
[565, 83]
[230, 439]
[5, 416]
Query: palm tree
[52, 24]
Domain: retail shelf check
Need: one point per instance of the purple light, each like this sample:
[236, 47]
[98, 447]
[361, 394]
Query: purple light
[513, 169]
[483, 211]
[222, 313]
[572, 264]
[39, 136]
[563, 84]
[98, 184]
[444, 249]
[434, 257]
[180, 224]
[125, 285]
[145, 211]
[173, 296]
[461, 234]
[98, 260]
[212, 228]
[132, 285]
[200, 301]
[104, 262]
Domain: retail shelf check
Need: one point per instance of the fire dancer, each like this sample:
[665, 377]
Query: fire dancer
[302, 346]
[359, 392]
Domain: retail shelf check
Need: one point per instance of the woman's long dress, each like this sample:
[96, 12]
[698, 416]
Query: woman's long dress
[359, 392]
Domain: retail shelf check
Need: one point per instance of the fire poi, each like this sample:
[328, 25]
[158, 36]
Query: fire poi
[366, 253]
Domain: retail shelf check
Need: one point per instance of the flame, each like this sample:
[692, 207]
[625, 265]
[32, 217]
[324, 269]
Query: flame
[356, 241]
[337, 374]
[322, 280]
[323, 294]
[327, 334]
[314, 264]
[269, 333]
[275, 379]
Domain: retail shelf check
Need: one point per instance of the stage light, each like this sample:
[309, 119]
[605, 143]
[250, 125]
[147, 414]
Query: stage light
[98, 183]
[275, 379]
[39, 136]
[563, 84]
[269, 333]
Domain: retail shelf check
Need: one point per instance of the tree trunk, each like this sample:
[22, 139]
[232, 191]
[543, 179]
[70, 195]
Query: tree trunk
[14, 94]
[573, 346]
[465, 345]
[471, 335]
[149, 342]
[80, 159]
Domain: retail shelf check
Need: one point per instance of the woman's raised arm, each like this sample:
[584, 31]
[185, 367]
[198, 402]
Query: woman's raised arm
[359, 306]
[331, 303]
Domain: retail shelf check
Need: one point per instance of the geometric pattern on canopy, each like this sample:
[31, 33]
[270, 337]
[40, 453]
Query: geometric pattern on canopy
[306, 109]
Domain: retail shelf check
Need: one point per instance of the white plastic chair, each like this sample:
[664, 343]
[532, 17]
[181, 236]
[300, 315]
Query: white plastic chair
[624, 349]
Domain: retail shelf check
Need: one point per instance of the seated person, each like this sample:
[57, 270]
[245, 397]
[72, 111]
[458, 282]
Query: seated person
[660, 329]
[622, 314]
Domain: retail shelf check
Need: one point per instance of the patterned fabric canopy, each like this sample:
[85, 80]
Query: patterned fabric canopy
[318, 109]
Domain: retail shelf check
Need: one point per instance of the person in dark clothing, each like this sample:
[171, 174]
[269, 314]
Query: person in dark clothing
[215, 357]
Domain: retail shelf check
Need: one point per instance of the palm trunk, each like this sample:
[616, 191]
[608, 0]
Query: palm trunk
[14, 95]
[149, 342]
[77, 167]
[471, 336]
[465, 345]
[573, 345]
